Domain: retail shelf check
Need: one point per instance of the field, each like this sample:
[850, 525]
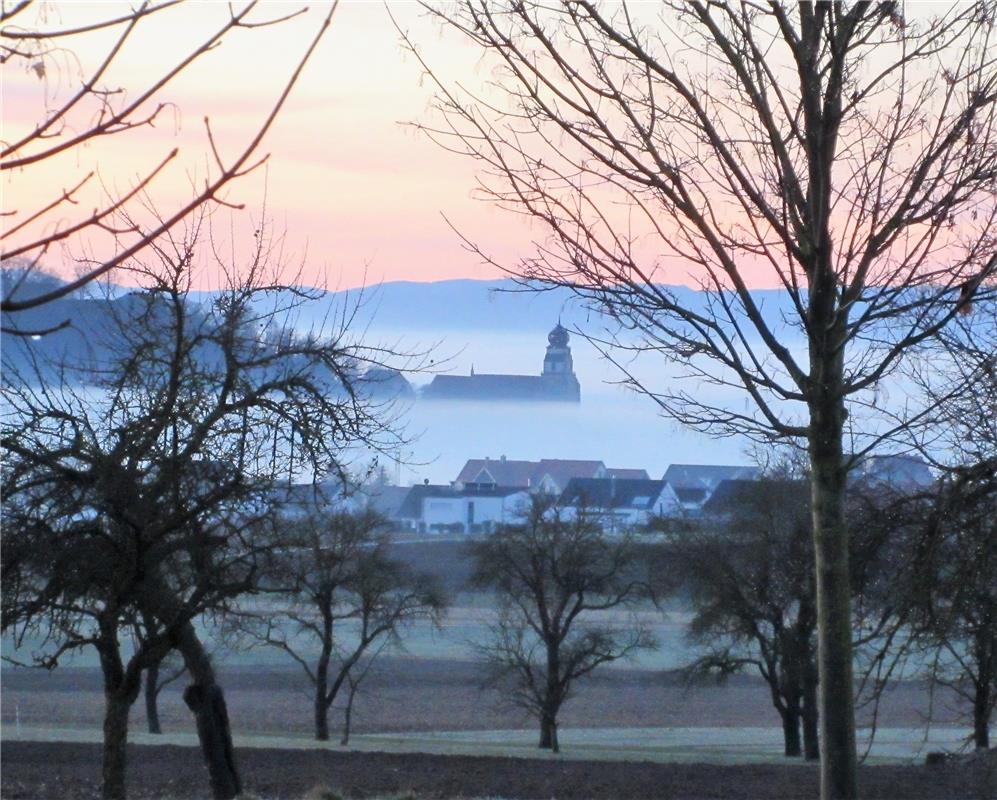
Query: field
[428, 727]
[426, 723]
[40, 771]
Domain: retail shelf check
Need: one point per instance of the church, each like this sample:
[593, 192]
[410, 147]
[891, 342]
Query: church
[557, 382]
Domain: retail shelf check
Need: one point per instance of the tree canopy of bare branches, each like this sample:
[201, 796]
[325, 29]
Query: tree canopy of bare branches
[749, 571]
[844, 152]
[96, 107]
[332, 584]
[136, 481]
[554, 578]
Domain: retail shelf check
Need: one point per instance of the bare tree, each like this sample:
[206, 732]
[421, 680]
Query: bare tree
[91, 109]
[839, 150]
[135, 482]
[556, 580]
[954, 596]
[958, 610]
[749, 570]
[338, 589]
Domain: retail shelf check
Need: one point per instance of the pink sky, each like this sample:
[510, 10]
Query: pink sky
[362, 197]
[359, 193]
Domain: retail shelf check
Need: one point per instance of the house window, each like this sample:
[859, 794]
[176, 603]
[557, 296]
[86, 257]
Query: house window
[470, 513]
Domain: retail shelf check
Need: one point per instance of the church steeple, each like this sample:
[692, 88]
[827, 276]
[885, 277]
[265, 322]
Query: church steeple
[558, 359]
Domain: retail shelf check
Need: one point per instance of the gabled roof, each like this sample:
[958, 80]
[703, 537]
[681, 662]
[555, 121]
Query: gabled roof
[707, 476]
[693, 495]
[500, 471]
[561, 470]
[527, 474]
[388, 500]
[611, 493]
[899, 471]
[627, 474]
[732, 495]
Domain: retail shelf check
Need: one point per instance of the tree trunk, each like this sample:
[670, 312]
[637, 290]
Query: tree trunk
[321, 718]
[205, 698]
[116, 709]
[548, 732]
[348, 716]
[811, 737]
[791, 733]
[839, 760]
[152, 698]
[981, 716]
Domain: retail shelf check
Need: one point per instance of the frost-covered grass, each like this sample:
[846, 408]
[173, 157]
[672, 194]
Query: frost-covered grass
[691, 745]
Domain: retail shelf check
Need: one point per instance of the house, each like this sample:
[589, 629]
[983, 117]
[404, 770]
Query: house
[553, 475]
[905, 473]
[692, 498]
[707, 476]
[621, 503]
[548, 475]
[484, 472]
[435, 509]
[557, 381]
[729, 495]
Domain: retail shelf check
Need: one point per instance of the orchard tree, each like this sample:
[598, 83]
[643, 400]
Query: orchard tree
[749, 569]
[845, 152]
[333, 586]
[82, 103]
[136, 482]
[954, 600]
[555, 580]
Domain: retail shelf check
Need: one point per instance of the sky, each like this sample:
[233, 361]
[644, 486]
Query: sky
[359, 196]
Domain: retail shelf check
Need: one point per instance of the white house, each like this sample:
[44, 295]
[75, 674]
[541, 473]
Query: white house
[623, 504]
[430, 508]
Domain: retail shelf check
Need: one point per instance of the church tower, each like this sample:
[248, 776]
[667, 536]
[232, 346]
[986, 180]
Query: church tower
[559, 370]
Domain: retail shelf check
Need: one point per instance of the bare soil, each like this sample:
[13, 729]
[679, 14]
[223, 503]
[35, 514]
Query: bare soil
[62, 771]
[408, 694]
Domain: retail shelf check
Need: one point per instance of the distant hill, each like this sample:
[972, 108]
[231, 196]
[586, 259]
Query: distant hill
[482, 305]
[467, 305]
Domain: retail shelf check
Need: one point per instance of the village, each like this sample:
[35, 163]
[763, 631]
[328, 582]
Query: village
[490, 492]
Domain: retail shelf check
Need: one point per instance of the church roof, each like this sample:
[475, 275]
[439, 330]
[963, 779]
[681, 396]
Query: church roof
[496, 387]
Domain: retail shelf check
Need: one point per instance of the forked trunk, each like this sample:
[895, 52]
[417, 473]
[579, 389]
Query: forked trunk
[152, 698]
[115, 741]
[834, 630]
[205, 698]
